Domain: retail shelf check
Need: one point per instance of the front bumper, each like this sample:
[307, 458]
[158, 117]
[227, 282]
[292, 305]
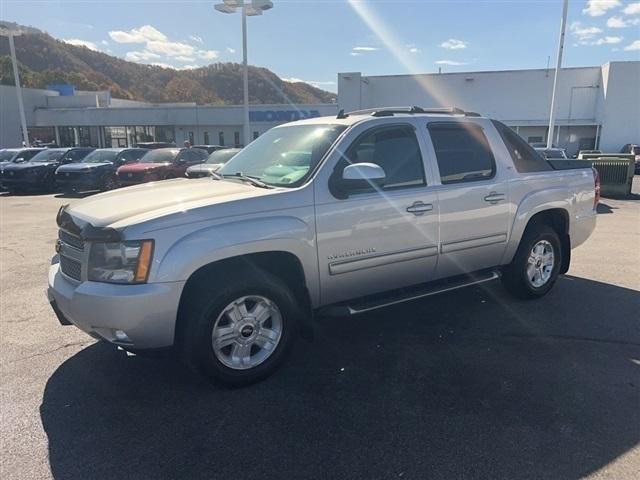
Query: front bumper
[23, 182]
[89, 182]
[145, 313]
[125, 181]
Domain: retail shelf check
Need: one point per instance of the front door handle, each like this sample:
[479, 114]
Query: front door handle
[494, 197]
[419, 208]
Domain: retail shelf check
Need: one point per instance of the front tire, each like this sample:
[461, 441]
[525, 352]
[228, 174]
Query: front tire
[240, 331]
[536, 264]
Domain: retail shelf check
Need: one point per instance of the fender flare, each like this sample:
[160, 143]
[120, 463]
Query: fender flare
[532, 204]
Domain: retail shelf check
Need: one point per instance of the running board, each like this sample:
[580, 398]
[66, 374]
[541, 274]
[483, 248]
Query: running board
[374, 302]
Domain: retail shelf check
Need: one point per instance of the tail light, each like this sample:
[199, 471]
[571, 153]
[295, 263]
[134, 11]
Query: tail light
[596, 186]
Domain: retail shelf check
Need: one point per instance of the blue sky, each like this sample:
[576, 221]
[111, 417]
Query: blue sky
[312, 40]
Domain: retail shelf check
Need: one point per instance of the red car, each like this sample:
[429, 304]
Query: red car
[160, 164]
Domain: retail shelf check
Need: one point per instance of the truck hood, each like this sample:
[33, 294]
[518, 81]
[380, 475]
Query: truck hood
[141, 203]
[142, 167]
[26, 165]
[82, 167]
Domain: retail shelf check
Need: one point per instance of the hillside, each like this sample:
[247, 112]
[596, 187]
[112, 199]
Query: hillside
[44, 60]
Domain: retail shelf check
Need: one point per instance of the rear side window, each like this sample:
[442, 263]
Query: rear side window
[524, 157]
[396, 150]
[462, 152]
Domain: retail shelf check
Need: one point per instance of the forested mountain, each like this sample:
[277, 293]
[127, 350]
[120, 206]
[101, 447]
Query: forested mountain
[44, 60]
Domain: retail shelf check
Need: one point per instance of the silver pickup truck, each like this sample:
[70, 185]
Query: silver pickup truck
[334, 215]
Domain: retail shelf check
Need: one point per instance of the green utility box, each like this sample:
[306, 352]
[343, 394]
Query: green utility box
[616, 172]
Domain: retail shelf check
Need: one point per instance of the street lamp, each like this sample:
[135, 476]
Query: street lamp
[8, 32]
[248, 9]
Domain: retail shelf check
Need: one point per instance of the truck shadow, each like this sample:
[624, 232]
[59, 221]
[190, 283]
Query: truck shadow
[468, 384]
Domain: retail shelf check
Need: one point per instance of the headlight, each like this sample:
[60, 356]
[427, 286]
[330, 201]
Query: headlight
[125, 262]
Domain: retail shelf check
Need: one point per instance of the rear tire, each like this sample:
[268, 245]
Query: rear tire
[536, 264]
[240, 330]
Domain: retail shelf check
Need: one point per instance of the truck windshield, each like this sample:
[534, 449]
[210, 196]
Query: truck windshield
[284, 156]
[49, 155]
[101, 156]
[160, 156]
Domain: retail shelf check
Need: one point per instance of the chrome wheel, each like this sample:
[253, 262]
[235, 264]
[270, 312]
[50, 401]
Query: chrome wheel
[540, 263]
[247, 332]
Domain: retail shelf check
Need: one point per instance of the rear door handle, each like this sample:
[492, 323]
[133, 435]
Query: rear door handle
[494, 197]
[419, 208]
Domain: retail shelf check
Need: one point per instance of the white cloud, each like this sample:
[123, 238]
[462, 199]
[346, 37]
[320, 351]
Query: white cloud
[207, 54]
[607, 41]
[184, 59]
[141, 56]
[143, 34]
[81, 43]
[365, 49]
[231, 50]
[163, 65]
[583, 33]
[170, 49]
[196, 38]
[104, 42]
[632, 9]
[414, 50]
[355, 54]
[633, 47]
[449, 62]
[453, 44]
[619, 22]
[315, 83]
[597, 8]
[187, 67]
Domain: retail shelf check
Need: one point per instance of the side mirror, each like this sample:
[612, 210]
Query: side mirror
[361, 176]
[19, 160]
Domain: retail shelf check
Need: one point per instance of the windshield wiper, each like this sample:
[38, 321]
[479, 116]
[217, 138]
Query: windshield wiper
[246, 178]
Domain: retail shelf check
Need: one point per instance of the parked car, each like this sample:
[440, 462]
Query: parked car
[210, 148]
[216, 160]
[15, 155]
[634, 150]
[160, 164]
[39, 172]
[97, 171]
[155, 145]
[553, 153]
[392, 205]
[11, 155]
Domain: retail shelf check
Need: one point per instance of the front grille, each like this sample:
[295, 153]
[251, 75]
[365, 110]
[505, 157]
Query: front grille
[71, 268]
[67, 175]
[132, 177]
[71, 240]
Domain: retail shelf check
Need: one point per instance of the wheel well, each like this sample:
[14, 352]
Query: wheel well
[284, 265]
[558, 219]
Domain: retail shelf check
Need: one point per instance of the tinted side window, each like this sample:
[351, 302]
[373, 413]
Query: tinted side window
[524, 157]
[29, 154]
[131, 155]
[462, 152]
[396, 150]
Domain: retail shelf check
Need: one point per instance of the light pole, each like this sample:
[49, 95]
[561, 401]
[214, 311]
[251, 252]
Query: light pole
[552, 114]
[247, 9]
[16, 77]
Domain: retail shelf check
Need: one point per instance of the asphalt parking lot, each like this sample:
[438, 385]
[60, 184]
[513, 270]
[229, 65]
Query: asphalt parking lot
[470, 384]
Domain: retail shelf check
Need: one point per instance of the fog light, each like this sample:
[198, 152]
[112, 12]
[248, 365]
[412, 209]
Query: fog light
[120, 336]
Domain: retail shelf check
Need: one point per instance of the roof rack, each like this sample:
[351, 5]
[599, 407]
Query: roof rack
[390, 111]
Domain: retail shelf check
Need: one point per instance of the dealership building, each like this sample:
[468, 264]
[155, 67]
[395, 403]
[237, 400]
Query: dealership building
[69, 118]
[597, 107]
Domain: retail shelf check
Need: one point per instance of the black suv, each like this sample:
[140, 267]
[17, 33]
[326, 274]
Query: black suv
[39, 172]
[97, 171]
